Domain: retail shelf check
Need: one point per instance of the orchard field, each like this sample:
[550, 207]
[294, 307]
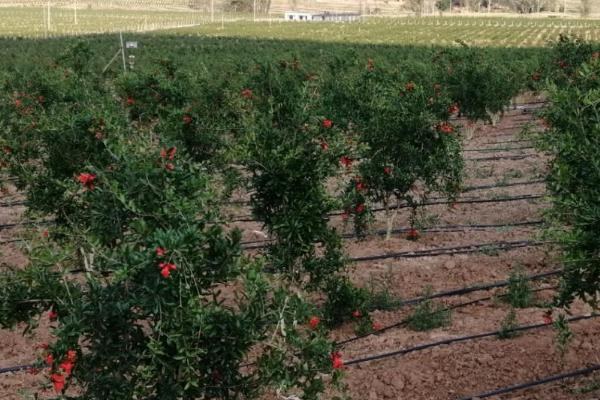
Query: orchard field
[393, 209]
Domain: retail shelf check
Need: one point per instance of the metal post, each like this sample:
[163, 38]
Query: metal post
[75, 11]
[254, 11]
[123, 52]
[212, 10]
[49, 27]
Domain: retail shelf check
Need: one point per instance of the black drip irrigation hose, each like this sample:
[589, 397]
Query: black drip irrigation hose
[26, 223]
[13, 204]
[449, 251]
[407, 320]
[465, 190]
[503, 185]
[9, 241]
[509, 141]
[249, 218]
[542, 381]
[492, 150]
[458, 340]
[17, 368]
[473, 201]
[263, 243]
[507, 157]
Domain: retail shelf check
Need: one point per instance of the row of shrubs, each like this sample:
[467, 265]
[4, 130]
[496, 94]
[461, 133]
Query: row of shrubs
[144, 279]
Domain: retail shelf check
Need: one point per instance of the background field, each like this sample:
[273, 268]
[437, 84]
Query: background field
[429, 30]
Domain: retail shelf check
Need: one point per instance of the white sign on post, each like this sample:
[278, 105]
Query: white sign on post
[131, 45]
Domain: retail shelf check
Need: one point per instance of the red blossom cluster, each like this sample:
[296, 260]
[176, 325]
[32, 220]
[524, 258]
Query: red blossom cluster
[168, 155]
[445, 127]
[165, 267]
[346, 161]
[454, 109]
[313, 322]
[370, 64]
[327, 123]
[247, 93]
[65, 368]
[52, 315]
[336, 360]
[413, 234]
[87, 180]
[360, 185]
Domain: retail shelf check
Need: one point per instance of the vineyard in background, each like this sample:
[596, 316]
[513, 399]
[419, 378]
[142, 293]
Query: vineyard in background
[224, 22]
[138, 185]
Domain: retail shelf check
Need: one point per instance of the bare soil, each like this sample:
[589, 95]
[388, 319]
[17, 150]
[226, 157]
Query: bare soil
[444, 372]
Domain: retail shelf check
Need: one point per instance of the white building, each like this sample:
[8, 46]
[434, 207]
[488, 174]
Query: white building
[321, 16]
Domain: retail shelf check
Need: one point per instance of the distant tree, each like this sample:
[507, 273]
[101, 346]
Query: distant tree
[586, 8]
[416, 6]
[443, 5]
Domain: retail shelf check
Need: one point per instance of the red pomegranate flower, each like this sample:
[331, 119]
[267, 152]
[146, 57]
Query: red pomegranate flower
[345, 215]
[413, 234]
[87, 180]
[445, 127]
[356, 314]
[370, 65]
[130, 101]
[168, 153]
[453, 109]
[376, 326]
[160, 252]
[360, 208]
[410, 86]
[336, 360]
[71, 355]
[247, 93]
[52, 315]
[49, 360]
[314, 322]
[166, 268]
[360, 185]
[187, 119]
[66, 366]
[327, 123]
[324, 145]
[58, 381]
[387, 170]
[346, 161]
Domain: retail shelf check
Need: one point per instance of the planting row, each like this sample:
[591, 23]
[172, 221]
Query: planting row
[134, 170]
